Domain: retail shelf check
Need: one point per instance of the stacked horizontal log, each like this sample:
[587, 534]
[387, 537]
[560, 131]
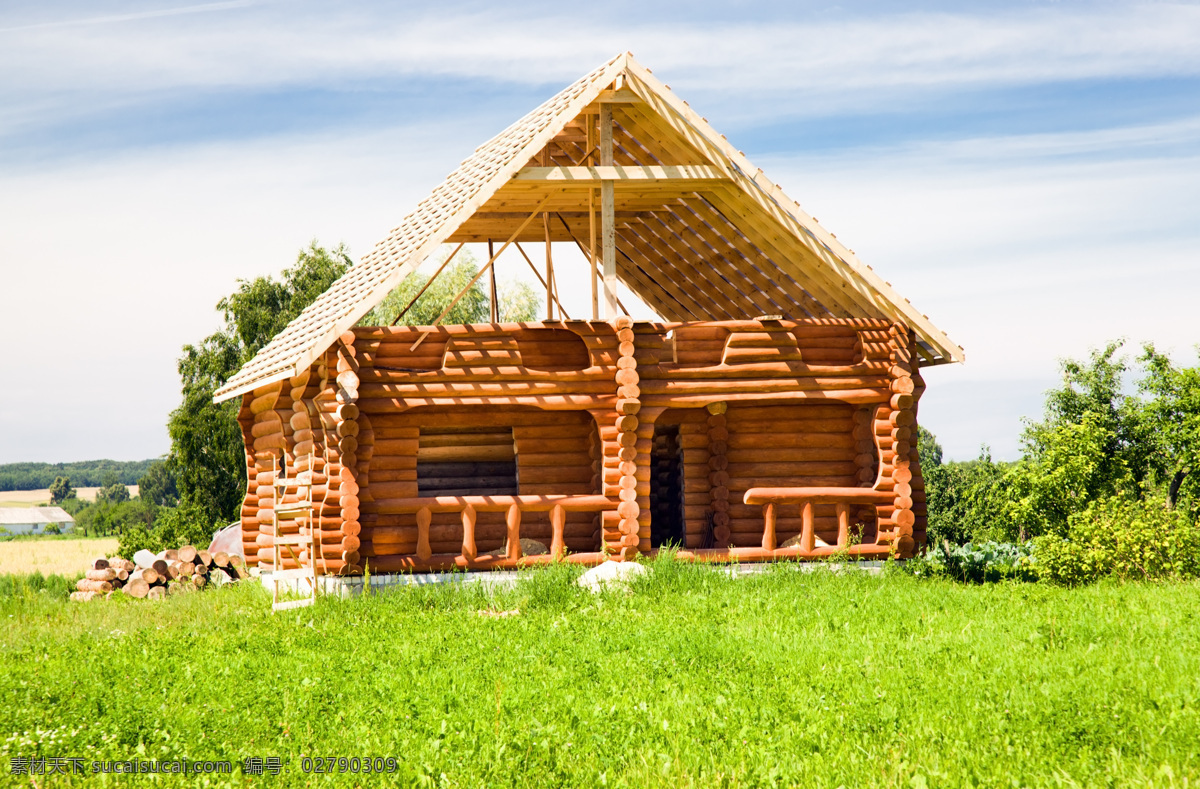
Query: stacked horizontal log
[787, 445]
[409, 367]
[867, 462]
[267, 444]
[179, 571]
[627, 424]
[814, 402]
[555, 450]
[342, 555]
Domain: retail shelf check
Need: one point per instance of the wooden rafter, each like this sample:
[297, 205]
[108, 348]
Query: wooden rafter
[659, 166]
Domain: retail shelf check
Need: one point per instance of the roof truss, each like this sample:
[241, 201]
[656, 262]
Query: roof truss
[699, 233]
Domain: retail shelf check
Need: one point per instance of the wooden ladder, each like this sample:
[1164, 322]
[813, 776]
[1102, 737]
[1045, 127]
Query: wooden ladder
[285, 543]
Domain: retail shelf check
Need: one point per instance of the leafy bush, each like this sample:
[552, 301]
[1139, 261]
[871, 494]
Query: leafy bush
[104, 517]
[187, 524]
[35, 583]
[115, 493]
[1129, 538]
[984, 562]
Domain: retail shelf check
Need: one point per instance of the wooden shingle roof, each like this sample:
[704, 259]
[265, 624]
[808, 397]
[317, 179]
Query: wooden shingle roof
[701, 234]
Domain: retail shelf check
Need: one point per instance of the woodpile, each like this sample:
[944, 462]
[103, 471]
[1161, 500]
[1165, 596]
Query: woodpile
[176, 572]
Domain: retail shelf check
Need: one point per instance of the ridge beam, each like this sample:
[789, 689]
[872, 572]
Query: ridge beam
[685, 173]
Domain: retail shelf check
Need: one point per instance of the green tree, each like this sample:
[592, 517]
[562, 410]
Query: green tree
[61, 490]
[1172, 422]
[1068, 470]
[114, 493]
[928, 449]
[157, 485]
[518, 300]
[207, 458]
[1094, 387]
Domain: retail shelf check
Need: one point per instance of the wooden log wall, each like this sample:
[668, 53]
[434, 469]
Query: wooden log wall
[791, 445]
[555, 452]
[757, 403]
[407, 367]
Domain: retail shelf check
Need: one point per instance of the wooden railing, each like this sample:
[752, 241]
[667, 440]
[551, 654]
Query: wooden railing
[771, 498]
[513, 506]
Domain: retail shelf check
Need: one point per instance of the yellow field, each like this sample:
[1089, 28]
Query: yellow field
[61, 557]
[41, 498]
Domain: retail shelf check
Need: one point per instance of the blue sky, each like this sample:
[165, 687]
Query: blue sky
[1028, 174]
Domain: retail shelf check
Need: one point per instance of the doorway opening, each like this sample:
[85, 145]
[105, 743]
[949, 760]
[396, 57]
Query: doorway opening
[666, 488]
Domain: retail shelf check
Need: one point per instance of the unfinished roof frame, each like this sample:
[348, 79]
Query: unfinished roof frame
[668, 206]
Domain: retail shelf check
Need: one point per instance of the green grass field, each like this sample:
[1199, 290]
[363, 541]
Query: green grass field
[694, 679]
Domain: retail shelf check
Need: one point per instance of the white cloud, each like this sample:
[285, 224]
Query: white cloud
[1023, 248]
[1021, 259]
[819, 64]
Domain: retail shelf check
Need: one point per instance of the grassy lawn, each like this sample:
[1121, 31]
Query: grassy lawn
[695, 679]
[53, 555]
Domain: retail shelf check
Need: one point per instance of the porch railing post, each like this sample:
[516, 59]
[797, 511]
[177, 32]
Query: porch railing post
[513, 520]
[769, 541]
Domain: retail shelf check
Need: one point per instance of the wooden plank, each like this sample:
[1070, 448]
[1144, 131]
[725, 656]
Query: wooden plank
[688, 176]
[608, 240]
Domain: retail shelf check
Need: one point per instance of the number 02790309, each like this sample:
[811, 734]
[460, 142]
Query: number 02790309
[349, 764]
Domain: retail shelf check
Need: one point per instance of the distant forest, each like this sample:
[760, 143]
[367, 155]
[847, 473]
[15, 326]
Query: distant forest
[84, 474]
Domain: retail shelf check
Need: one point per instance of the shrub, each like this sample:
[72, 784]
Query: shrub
[186, 524]
[1129, 538]
[982, 562]
[27, 585]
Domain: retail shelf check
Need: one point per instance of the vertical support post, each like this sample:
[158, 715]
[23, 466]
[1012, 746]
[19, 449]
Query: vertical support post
[843, 516]
[549, 269]
[591, 142]
[558, 523]
[513, 520]
[769, 543]
[424, 516]
[592, 252]
[608, 232]
[468, 521]
[807, 533]
[495, 301]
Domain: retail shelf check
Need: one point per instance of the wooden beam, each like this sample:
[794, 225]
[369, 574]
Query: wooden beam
[538, 274]
[592, 253]
[687, 173]
[475, 279]
[608, 239]
[428, 282]
[550, 295]
[495, 300]
[619, 96]
[592, 259]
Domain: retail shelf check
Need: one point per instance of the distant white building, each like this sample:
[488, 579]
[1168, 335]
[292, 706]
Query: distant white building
[33, 520]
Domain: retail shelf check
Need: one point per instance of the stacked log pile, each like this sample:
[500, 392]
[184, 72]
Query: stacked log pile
[177, 572]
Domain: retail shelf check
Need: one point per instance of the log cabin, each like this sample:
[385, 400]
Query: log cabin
[768, 413]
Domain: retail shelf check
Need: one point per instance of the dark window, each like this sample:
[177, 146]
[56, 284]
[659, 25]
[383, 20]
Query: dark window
[467, 461]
